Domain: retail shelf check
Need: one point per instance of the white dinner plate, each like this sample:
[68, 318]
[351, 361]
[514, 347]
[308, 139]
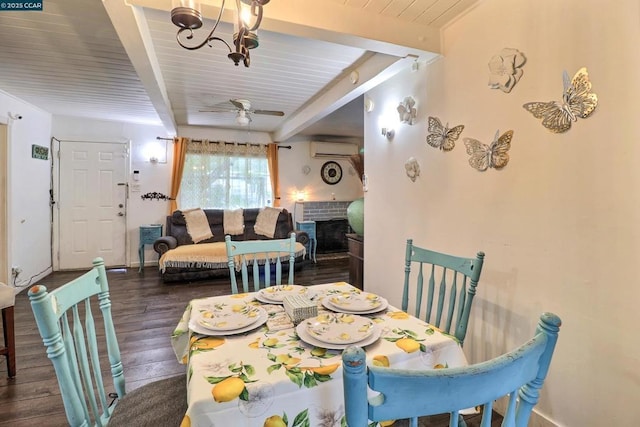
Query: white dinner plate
[301, 330]
[327, 304]
[275, 294]
[262, 318]
[357, 302]
[226, 317]
[339, 328]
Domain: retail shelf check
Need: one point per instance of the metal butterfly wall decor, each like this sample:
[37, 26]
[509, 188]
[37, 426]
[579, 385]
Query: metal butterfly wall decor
[577, 101]
[485, 156]
[441, 136]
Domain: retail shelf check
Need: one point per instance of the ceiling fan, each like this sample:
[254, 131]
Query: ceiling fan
[243, 110]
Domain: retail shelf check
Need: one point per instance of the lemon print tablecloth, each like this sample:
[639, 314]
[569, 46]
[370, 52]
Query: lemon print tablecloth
[263, 378]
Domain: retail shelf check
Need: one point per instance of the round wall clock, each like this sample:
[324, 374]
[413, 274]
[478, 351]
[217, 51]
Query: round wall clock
[331, 172]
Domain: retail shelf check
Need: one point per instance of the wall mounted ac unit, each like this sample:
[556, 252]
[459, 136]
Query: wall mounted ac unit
[339, 150]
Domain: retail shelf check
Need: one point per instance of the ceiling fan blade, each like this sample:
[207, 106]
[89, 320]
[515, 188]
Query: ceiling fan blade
[237, 103]
[268, 112]
[218, 110]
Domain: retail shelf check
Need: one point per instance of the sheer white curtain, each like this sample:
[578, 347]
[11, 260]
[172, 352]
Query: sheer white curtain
[225, 175]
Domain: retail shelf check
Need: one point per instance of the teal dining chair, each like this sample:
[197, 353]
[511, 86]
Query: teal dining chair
[260, 257]
[404, 393]
[69, 329]
[456, 279]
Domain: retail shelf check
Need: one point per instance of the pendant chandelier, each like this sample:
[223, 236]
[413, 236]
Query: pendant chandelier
[187, 15]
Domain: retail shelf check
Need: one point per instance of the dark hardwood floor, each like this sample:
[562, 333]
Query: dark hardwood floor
[145, 311]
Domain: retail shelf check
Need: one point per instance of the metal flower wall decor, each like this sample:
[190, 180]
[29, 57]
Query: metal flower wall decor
[412, 168]
[407, 110]
[485, 156]
[506, 69]
[441, 136]
[577, 101]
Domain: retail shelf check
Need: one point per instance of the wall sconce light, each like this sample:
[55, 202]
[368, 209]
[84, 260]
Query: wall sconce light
[300, 196]
[388, 132]
[154, 151]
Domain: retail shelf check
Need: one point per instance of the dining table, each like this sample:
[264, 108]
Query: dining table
[250, 365]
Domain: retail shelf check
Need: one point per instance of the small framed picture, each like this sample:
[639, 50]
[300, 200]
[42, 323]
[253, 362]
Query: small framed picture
[39, 152]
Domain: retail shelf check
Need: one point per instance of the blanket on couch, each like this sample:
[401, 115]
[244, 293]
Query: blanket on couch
[210, 256]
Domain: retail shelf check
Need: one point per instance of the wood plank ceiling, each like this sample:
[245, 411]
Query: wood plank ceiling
[108, 60]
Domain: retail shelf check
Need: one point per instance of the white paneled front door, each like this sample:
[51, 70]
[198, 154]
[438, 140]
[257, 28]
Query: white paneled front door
[92, 204]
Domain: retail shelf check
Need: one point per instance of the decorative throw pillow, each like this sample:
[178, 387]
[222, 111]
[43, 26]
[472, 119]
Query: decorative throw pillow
[197, 225]
[266, 221]
[233, 221]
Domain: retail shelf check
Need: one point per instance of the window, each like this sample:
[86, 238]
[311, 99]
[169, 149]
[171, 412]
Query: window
[225, 176]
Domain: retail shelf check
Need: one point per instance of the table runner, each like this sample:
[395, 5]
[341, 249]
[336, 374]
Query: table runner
[273, 379]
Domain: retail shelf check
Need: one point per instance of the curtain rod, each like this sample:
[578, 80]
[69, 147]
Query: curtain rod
[288, 147]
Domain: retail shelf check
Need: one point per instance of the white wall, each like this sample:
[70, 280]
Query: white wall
[29, 214]
[558, 224]
[293, 179]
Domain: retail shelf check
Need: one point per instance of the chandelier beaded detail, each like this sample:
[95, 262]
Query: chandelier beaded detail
[187, 15]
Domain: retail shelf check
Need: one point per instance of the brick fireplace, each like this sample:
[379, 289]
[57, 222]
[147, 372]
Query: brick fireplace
[331, 223]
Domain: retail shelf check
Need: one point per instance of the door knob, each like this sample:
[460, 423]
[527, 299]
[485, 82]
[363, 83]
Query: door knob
[120, 214]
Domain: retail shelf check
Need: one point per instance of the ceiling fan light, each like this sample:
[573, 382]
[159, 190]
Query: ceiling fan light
[186, 14]
[242, 119]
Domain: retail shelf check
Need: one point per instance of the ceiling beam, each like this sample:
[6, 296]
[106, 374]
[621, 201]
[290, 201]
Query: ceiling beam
[370, 72]
[131, 27]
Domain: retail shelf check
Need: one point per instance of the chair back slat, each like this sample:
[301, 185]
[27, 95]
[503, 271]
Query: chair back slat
[462, 299]
[95, 359]
[442, 291]
[84, 367]
[419, 292]
[68, 328]
[487, 414]
[73, 373]
[457, 279]
[454, 419]
[509, 419]
[453, 296]
[259, 257]
[405, 393]
[430, 292]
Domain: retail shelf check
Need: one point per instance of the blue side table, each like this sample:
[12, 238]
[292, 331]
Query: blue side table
[310, 228]
[149, 233]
